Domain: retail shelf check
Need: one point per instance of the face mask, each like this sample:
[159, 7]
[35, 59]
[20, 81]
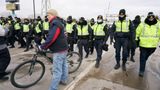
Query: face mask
[121, 16]
[69, 21]
[99, 20]
[46, 20]
[26, 22]
[151, 19]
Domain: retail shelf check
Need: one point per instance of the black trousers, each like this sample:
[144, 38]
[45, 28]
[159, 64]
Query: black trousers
[98, 45]
[144, 55]
[83, 43]
[45, 34]
[38, 38]
[4, 60]
[70, 43]
[121, 43]
[28, 40]
[131, 48]
[20, 37]
[91, 46]
[11, 38]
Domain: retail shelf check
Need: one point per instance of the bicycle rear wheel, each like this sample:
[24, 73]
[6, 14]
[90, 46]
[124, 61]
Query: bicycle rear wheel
[27, 74]
[74, 61]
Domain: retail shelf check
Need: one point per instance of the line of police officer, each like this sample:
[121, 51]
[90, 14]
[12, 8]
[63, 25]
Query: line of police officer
[87, 36]
[125, 34]
[25, 32]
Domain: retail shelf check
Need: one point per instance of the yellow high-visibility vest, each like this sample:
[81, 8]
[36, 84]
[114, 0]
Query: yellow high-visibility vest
[99, 30]
[122, 26]
[83, 31]
[46, 25]
[69, 27]
[25, 28]
[37, 29]
[149, 35]
[17, 26]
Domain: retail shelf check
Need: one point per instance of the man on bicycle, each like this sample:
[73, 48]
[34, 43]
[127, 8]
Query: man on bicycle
[57, 43]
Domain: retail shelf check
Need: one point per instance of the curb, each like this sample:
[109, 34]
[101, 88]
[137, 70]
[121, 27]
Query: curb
[73, 84]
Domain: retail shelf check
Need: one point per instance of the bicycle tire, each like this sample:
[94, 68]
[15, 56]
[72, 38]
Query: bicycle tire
[12, 77]
[78, 59]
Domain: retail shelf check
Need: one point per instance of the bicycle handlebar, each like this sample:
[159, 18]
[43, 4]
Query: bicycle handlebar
[37, 49]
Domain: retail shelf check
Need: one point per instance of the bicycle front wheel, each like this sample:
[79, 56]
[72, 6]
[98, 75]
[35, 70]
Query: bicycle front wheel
[74, 61]
[27, 74]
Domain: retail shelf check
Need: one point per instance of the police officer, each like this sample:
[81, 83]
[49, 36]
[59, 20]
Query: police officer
[26, 33]
[38, 31]
[122, 30]
[148, 35]
[91, 43]
[83, 33]
[11, 36]
[70, 29]
[18, 32]
[100, 37]
[132, 45]
[45, 27]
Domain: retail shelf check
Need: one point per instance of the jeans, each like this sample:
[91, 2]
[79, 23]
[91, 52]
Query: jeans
[60, 69]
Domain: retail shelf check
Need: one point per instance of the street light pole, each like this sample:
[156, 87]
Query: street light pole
[34, 11]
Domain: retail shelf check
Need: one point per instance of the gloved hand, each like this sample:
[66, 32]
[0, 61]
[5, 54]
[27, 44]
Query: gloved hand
[137, 43]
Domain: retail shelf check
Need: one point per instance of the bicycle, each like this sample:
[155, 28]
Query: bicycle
[31, 72]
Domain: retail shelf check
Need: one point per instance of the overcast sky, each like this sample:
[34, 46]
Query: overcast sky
[89, 8]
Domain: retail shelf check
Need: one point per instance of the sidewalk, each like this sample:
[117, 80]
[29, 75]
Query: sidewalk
[106, 78]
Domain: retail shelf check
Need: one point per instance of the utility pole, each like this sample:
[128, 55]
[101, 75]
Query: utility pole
[46, 5]
[34, 11]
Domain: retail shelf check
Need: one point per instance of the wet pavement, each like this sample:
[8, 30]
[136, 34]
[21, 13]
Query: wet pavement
[106, 78]
[18, 56]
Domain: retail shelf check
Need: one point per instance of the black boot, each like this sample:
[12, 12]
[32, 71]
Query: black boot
[117, 66]
[132, 59]
[97, 64]
[86, 56]
[3, 76]
[26, 50]
[31, 47]
[141, 74]
[124, 66]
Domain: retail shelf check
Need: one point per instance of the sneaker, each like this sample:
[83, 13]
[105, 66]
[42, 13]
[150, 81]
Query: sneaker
[63, 83]
[117, 66]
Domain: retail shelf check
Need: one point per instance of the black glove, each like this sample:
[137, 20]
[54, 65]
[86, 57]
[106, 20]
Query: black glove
[137, 43]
